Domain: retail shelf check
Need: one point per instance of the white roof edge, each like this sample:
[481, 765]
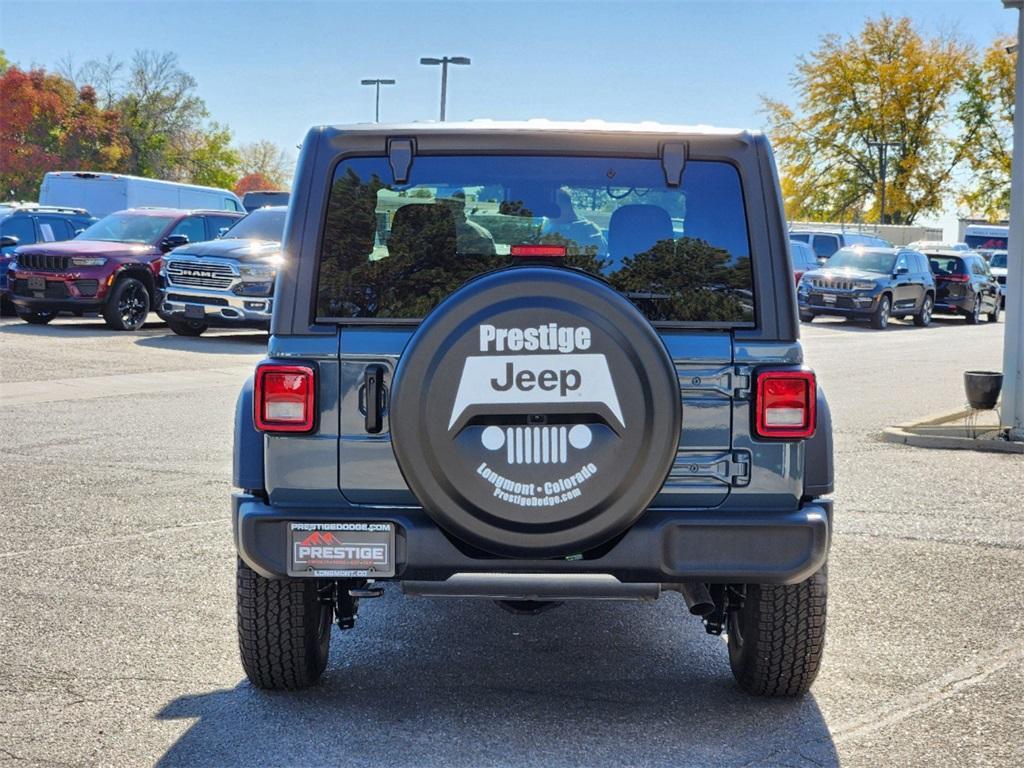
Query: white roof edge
[544, 124]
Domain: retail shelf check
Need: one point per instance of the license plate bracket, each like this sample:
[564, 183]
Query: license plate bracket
[353, 550]
[828, 298]
[37, 283]
[195, 311]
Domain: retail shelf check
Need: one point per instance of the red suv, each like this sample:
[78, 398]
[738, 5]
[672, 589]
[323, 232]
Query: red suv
[112, 268]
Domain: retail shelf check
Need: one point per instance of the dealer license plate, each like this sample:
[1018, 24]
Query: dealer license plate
[342, 550]
[195, 311]
[828, 298]
[37, 283]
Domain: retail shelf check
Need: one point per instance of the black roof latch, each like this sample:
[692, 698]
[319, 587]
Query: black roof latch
[673, 160]
[400, 152]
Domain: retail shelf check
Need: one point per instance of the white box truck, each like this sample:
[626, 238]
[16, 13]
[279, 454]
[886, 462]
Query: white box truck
[103, 193]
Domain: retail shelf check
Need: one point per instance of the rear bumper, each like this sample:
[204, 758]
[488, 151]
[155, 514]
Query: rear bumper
[961, 306]
[664, 546]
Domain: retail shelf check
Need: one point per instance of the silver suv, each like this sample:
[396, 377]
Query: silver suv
[529, 363]
[228, 281]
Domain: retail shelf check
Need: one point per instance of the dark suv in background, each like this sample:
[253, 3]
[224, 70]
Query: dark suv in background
[111, 268]
[28, 223]
[965, 285]
[872, 284]
[263, 197]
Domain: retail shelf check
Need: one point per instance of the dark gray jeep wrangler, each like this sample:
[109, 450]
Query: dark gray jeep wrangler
[534, 362]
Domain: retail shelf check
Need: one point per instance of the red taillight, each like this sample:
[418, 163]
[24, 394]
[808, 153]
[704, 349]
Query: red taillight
[538, 251]
[785, 404]
[284, 398]
[797, 276]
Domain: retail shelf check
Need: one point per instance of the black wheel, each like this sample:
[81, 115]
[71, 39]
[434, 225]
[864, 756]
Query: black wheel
[187, 327]
[993, 316]
[284, 630]
[776, 640]
[974, 316]
[924, 317]
[880, 317]
[128, 305]
[37, 318]
[806, 317]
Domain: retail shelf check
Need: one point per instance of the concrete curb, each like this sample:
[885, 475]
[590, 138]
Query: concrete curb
[935, 431]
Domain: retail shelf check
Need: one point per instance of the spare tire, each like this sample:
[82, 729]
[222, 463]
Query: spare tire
[535, 413]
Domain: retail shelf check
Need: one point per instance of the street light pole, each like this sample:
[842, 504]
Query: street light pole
[444, 61]
[883, 160]
[1013, 339]
[377, 83]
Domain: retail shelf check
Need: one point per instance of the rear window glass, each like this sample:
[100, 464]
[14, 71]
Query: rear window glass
[390, 251]
[947, 265]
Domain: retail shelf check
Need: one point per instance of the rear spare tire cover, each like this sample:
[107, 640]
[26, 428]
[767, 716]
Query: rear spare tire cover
[535, 413]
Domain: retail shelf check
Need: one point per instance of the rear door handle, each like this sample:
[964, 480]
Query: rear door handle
[373, 387]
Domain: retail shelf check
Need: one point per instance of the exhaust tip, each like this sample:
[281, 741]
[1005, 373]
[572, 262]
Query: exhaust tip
[697, 597]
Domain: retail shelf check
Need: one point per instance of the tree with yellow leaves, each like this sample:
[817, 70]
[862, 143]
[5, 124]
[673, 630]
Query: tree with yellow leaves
[987, 115]
[890, 85]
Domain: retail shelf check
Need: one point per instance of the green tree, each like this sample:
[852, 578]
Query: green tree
[987, 115]
[205, 156]
[888, 83]
[164, 121]
[268, 160]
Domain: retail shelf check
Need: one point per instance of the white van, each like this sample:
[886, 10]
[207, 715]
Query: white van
[103, 193]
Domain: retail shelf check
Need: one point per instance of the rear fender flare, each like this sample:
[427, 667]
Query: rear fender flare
[819, 473]
[247, 464]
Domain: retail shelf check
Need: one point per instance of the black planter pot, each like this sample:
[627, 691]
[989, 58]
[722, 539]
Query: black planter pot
[982, 388]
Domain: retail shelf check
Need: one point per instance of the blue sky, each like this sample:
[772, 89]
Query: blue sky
[272, 69]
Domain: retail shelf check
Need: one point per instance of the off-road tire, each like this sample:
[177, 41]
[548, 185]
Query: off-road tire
[130, 319]
[187, 327]
[880, 317]
[777, 638]
[806, 317]
[924, 317]
[37, 318]
[284, 630]
[993, 316]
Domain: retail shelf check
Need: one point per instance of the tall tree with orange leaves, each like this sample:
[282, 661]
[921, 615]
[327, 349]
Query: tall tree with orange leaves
[48, 125]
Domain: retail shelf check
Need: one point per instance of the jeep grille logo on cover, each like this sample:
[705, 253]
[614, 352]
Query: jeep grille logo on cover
[546, 379]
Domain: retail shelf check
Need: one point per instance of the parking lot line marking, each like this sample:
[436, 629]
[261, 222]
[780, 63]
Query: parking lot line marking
[92, 387]
[941, 688]
[933, 692]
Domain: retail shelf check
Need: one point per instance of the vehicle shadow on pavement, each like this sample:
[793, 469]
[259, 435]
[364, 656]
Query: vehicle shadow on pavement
[894, 325]
[218, 344]
[78, 328]
[464, 683]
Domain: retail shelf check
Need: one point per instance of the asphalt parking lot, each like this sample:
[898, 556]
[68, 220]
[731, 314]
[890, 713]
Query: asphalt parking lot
[117, 634]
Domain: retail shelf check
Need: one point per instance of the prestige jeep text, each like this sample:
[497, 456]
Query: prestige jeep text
[534, 362]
